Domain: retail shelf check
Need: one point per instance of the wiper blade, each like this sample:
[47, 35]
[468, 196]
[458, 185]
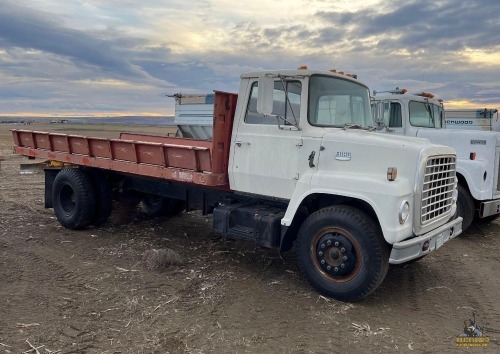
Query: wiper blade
[353, 126]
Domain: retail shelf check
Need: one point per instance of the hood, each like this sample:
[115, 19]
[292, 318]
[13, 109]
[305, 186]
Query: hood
[371, 152]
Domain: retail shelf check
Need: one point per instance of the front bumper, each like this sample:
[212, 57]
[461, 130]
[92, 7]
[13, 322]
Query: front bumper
[491, 207]
[413, 248]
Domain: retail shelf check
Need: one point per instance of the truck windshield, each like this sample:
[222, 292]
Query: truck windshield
[334, 102]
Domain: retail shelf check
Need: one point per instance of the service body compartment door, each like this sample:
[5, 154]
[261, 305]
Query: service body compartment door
[265, 155]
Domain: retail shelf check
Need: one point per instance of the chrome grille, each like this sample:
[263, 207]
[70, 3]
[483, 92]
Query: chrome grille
[437, 192]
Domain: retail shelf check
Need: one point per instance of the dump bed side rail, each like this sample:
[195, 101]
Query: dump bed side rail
[174, 162]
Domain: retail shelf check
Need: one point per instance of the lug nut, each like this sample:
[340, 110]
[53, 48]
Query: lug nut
[320, 253]
[328, 242]
[344, 258]
[342, 265]
[336, 243]
[322, 245]
[329, 267]
[342, 250]
[322, 261]
[336, 269]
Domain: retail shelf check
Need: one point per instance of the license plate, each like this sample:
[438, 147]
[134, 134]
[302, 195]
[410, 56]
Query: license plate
[439, 240]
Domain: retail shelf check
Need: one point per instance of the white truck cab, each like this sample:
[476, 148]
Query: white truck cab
[304, 137]
[478, 152]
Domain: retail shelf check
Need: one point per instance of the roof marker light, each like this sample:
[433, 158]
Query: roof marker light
[302, 67]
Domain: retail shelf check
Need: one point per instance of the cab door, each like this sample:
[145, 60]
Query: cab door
[266, 149]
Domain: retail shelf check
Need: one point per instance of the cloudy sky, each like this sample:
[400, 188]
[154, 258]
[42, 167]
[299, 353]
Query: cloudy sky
[106, 57]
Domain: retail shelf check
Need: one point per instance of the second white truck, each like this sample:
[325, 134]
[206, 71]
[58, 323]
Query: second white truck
[478, 152]
[473, 119]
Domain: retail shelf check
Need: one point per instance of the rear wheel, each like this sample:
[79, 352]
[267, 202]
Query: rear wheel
[155, 205]
[465, 207]
[104, 199]
[342, 253]
[73, 198]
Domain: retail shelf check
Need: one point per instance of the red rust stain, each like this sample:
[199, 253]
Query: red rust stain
[86, 161]
[51, 155]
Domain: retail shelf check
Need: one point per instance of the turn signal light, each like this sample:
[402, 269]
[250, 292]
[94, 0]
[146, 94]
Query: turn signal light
[472, 156]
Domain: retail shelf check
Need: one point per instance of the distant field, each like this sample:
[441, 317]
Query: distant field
[99, 130]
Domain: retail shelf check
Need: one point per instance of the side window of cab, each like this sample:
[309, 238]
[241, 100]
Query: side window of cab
[283, 107]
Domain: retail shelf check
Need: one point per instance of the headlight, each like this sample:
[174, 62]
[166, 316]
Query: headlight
[404, 212]
[455, 191]
[455, 195]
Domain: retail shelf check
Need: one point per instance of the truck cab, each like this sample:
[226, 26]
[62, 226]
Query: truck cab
[478, 152]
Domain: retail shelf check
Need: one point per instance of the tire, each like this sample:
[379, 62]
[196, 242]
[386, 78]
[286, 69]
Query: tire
[155, 205]
[465, 207]
[349, 237]
[73, 198]
[104, 199]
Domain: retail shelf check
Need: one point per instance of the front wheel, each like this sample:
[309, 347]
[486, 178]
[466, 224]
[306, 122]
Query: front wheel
[342, 253]
[465, 207]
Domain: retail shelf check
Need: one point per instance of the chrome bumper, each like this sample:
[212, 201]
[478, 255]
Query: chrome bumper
[491, 207]
[407, 250]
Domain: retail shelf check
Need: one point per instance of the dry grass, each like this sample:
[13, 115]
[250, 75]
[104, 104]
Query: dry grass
[160, 258]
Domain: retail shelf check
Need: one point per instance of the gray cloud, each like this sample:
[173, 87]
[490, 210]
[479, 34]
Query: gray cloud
[21, 27]
[444, 25]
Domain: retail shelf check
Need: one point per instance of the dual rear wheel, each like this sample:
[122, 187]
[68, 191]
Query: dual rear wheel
[85, 197]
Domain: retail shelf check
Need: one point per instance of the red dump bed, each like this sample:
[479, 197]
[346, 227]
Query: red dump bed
[186, 160]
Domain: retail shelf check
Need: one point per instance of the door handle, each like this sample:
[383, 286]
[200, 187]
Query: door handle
[239, 143]
[311, 159]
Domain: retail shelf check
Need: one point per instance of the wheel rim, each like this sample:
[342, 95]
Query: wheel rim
[336, 254]
[154, 199]
[67, 198]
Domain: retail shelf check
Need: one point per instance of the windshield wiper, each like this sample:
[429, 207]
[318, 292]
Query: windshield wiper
[358, 126]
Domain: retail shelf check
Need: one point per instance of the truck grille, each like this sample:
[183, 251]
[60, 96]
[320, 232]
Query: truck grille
[439, 182]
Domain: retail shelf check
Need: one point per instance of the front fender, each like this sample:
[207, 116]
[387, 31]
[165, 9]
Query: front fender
[385, 198]
[473, 173]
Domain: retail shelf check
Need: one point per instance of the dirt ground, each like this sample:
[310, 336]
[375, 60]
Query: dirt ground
[90, 291]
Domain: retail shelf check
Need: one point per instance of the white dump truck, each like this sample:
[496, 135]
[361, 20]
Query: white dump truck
[478, 152]
[473, 119]
[291, 159]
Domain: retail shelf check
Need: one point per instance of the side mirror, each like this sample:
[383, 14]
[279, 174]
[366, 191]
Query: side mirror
[265, 93]
[378, 112]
